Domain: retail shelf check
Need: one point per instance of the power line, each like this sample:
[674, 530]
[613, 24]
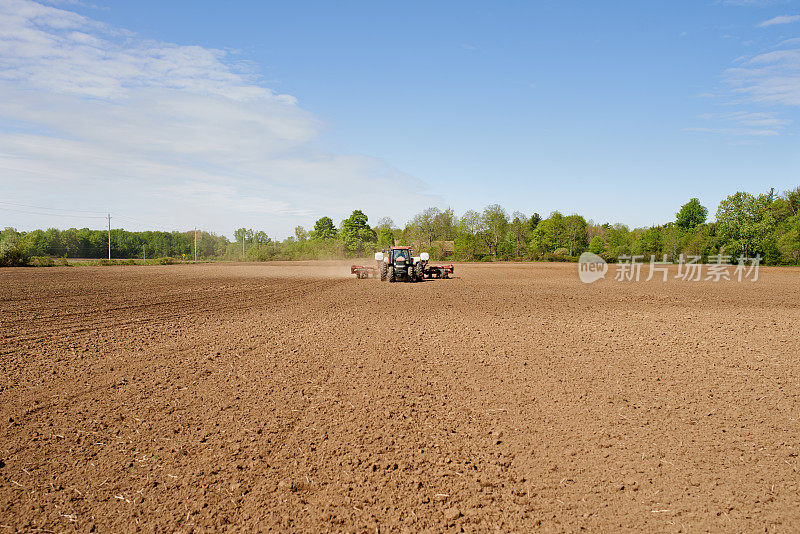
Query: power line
[46, 208]
[137, 221]
[73, 215]
[53, 214]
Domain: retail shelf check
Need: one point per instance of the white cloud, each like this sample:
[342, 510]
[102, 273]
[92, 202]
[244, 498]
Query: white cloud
[79, 3]
[743, 123]
[769, 78]
[749, 118]
[751, 3]
[782, 19]
[734, 131]
[97, 116]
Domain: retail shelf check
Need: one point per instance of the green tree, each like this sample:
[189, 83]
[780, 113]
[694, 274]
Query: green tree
[691, 215]
[261, 238]
[385, 238]
[385, 222]
[550, 234]
[701, 242]
[575, 234]
[619, 240]
[242, 235]
[648, 242]
[12, 249]
[494, 222]
[789, 241]
[424, 227]
[672, 238]
[445, 223]
[534, 221]
[35, 243]
[744, 222]
[518, 235]
[793, 200]
[597, 245]
[356, 233]
[781, 210]
[324, 228]
[467, 245]
[470, 223]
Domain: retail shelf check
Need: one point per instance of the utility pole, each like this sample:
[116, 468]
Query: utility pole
[195, 244]
[109, 236]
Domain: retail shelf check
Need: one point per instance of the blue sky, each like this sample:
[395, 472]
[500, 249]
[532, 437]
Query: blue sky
[227, 114]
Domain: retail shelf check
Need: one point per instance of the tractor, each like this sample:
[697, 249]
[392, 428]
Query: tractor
[398, 264]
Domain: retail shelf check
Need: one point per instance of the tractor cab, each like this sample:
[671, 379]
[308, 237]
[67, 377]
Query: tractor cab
[401, 255]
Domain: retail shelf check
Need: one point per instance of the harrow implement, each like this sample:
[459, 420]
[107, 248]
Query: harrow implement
[438, 271]
[362, 271]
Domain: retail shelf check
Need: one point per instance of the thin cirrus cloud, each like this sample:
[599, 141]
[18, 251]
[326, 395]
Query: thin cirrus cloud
[99, 116]
[744, 123]
[771, 78]
[762, 82]
[782, 19]
[749, 132]
[751, 3]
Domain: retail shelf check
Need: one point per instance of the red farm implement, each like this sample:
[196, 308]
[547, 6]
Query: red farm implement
[438, 271]
[362, 271]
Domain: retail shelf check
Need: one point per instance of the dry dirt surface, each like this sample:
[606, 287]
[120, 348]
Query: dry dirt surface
[293, 397]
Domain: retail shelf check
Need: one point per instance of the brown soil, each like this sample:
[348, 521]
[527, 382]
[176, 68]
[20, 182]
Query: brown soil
[210, 397]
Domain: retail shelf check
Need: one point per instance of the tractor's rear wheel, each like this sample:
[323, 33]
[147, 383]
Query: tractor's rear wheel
[383, 271]
[419, 270]
[390, 275]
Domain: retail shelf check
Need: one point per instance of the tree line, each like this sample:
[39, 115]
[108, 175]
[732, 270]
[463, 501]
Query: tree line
[18, 247]
[746, 224]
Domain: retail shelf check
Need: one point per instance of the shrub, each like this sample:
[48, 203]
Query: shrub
[558, 257]
[13, 253]
[167, 261]
[561, 252]
[43, 261]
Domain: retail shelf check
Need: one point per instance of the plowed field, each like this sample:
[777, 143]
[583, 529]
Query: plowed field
[295, 397]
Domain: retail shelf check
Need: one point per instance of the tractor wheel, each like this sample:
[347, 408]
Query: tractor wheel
[383, 271]
[419, 271]
[390, 275]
